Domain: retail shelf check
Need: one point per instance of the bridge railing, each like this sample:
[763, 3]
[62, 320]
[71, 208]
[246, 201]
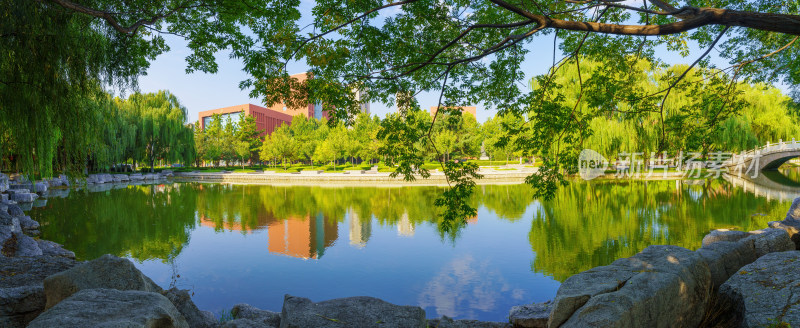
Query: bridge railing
[769, 148]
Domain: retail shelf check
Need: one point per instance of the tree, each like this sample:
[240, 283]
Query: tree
[163, 133]
[468, 51]
[283, 145]
[213, 143]
[248, 134]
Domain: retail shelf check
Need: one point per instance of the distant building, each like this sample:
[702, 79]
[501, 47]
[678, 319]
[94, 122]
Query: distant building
[464, 109]
[309, 110]
[360, 94]
[266, 120]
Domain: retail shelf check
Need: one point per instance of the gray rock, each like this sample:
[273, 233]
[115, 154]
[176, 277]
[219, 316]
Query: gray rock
[54, 249]
[39, 187]
[15, 243]
[723, 235]
[21, 291]
[530, 315]
[358, 311]
[765, 292]
[792, 227]
[770, 240]
[446, 322]
[107, 271]
[794, 210]
[725, 258]
[112, 308]
[15, 210]
[183, 302]
[244, 323]
[24, 197]
[246, 311]
[4, 197]
[136, 176]
[27, 223]
[663, 286]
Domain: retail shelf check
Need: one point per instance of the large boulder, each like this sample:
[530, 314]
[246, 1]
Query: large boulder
[725, 258]
[107, 271]
[21, 291]
[769, 240]
[766, 292]
[15, 243]
[360, 311]
[664, 286]
[791, 223]
[112, 308]
[530, 315]
[194, 317]
[446, 322]
[261, 317]
[723, 235]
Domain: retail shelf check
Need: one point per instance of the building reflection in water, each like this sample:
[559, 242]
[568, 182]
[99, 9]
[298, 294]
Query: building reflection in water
[360, 230]
[304, 238]
[405, 227]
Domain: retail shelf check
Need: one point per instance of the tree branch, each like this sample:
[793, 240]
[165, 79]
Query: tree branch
[109, 17]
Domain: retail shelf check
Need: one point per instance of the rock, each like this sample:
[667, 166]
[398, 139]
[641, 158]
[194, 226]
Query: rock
[107, 271]
[725, 258]
[794, 210]
[4, 197]
[39, 187]
[446, 322]
[264, 317]
[530, 315]
[112, 308]
[723, 235]
[136, 176]
[792, 227]
[766, 292]
[360, 311]
[24, 197]
[27, 223]
[664, 286]
[18, 244]
[769, 240]
[15, 210]
[244, 323]
[183, 302]
[54, 249]
[21, 291]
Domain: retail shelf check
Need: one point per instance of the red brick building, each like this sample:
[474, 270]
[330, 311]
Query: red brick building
[266, 120]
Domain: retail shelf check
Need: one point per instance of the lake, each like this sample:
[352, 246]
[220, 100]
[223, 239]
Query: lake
[252, 244]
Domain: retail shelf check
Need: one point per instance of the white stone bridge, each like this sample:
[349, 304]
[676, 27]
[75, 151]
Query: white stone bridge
[769, 157]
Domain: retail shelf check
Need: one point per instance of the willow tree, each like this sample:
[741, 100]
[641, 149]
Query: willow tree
[163, 133]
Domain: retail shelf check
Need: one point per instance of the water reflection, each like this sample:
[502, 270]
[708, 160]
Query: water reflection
[251, 243]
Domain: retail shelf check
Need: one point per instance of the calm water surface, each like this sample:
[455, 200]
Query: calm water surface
[252, 244]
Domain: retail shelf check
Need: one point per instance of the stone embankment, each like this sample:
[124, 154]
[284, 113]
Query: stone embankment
[746, 279]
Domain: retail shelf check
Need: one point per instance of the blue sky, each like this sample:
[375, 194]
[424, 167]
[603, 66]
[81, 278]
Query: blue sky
[200, 91]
